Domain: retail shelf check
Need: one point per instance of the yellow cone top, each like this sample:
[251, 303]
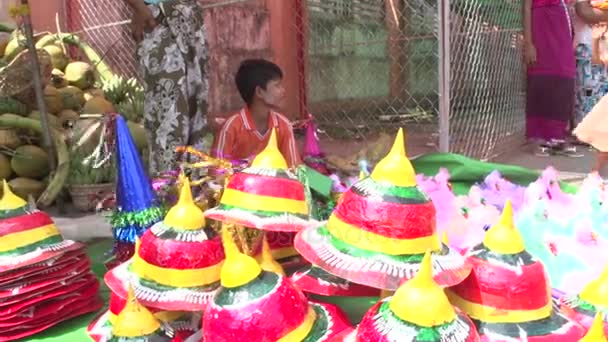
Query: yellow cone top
[395, 168]
[270, 157]
[596, 292]
[596, 332]
[268, 263]
[421, 301]
[185, 214]
[238, 269]
[9, 200]
[503, 237]
[135, 320]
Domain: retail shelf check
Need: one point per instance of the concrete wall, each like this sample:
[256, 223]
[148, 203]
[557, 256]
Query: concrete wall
[348, 61]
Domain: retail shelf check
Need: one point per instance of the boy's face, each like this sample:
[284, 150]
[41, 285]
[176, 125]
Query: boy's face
[274, 94]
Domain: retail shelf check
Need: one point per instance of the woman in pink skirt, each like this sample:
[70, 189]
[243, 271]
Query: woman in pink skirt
[551, 65]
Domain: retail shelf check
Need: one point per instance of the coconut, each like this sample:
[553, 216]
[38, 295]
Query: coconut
[80, 75]
[67, 117]
[94, 92]
[73, 97]
[25, 187]
[53, 100]
[14, 47]
[98, 105]
[58, 79]
[138, 132]
[58, 57]
[30, 161]
[5, 167]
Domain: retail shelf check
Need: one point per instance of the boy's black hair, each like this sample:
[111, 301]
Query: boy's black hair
[255, 73]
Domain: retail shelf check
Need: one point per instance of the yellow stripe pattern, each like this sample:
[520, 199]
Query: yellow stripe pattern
[299, 334]
[174, 277]
[254, 202]
[369, 241]
[27, 237]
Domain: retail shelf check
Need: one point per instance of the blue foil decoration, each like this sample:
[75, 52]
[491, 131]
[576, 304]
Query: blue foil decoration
[136, 203]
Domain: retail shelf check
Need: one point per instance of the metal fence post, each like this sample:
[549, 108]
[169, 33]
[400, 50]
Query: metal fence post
[443, 9]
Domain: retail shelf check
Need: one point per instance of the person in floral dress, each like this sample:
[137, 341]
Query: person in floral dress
[591, 78]
[173, 55]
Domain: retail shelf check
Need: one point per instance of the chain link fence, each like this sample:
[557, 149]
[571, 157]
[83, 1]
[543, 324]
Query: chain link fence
[361, 67]
[487, 91]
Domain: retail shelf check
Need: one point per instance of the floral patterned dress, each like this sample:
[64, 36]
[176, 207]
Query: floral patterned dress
[173, 61]
[591, 79]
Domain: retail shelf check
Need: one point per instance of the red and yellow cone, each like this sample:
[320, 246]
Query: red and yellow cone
[507, 293]
[264, 196]
[380, 230]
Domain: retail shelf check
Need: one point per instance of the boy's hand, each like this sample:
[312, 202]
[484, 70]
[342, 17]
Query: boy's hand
[142, 21]
[530, 54]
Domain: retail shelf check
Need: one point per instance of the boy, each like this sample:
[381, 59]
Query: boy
[246, 133]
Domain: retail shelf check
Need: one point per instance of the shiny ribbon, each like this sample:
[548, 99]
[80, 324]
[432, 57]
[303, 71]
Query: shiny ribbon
[106, 144]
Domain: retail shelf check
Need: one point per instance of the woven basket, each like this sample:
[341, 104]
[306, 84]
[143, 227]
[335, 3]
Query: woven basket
[16, 79]
[86, 197]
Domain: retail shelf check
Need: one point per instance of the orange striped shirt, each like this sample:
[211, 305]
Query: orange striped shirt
[239, 139]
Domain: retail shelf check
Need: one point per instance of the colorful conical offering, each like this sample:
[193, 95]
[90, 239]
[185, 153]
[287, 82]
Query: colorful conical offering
[177, 262]
[264, 196]
[254, 305]
[136, 323]
[27, 235]
[137, 208]
[593, 299]
[44, 279]
[419, 311]
[183, 324]
[596, 333]
[508, 294]
[311, 153]
[315, 280]
[380, 230]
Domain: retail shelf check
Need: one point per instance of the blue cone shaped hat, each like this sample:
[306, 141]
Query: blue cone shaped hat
[137, 208]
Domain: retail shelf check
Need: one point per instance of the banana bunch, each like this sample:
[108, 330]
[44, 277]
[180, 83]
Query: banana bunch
[127, 95]
[118, 88]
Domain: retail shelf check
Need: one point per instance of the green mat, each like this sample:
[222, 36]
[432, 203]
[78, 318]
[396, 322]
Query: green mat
[464, 173]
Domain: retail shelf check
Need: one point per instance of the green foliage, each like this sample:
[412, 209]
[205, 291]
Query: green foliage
[83, 172]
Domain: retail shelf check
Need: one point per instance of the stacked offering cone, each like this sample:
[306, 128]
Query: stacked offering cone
[177, 262]
[315, 280]
[44, 279]
[508, 294]
[254, 305]
[590, 302]
[137, 208]
[419, 311]
[266, 196]
[380, 230]
[121, 312]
